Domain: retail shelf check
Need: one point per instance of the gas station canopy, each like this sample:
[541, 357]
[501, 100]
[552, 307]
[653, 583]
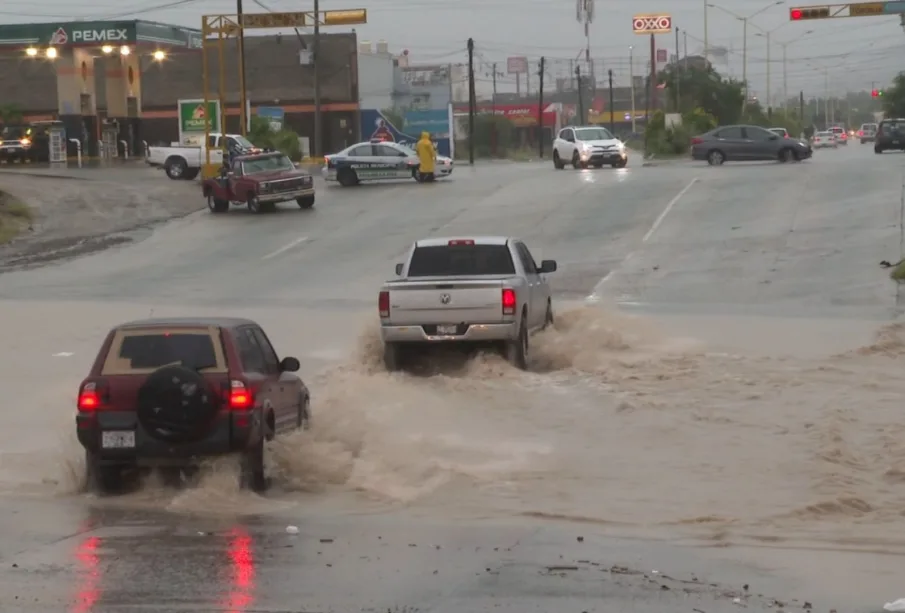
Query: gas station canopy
[38, 37]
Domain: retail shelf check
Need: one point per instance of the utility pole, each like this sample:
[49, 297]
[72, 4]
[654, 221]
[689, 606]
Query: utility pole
[745, 62]
[612, 112]
[652, 94]
[580, 103]
[685, 52]
[631, 76]
[317, 150]
[801, 107]
[675, 72]
[243, 93]
[471, 101]
[540, 109]
[706, 46]
[493, 98]
[785, 79]
[769, 99]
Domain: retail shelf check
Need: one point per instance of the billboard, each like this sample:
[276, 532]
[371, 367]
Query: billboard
[376, 126]
[517, 65]
[652, 24]
[193, 115]
[521, 115]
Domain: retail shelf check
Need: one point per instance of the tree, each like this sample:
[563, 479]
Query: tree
[284, 141]
[704, 88]
[894, 97]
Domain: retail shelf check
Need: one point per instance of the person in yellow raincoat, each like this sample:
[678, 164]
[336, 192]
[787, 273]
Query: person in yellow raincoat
[426, 157]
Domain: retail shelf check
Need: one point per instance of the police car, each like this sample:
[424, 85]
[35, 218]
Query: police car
[378, 161]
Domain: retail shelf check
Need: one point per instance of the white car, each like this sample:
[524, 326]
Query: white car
[583, 146]
[378, 161]
[824, 140]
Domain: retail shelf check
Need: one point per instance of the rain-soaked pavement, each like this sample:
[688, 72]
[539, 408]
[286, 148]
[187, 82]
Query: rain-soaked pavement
[735, 422]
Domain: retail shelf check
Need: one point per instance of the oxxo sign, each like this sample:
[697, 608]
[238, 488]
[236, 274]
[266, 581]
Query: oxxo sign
[100, 36]
[652, 24]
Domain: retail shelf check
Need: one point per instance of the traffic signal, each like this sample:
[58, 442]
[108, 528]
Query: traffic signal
[876, 93]
[809, 13]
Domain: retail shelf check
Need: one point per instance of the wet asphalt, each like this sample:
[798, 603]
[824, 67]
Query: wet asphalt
[800, 239]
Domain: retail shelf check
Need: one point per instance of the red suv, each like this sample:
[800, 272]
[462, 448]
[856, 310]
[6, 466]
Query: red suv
[167, 393]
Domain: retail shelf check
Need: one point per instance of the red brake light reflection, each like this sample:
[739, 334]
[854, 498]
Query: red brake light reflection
[509, 302]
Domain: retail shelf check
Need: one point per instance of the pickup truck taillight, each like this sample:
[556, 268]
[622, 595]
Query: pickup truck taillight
[383, 304]
[509, 301]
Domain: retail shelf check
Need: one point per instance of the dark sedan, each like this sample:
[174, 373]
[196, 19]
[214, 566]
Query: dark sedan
[747, 143]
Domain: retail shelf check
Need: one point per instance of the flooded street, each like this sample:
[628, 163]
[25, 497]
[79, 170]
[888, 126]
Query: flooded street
[732, 389]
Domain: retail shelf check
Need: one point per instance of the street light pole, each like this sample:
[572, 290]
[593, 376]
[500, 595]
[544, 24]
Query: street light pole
[769, 99]
[631, 76]
[706, 39]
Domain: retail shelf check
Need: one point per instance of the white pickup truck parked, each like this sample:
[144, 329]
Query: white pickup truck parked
[184, 162]
[481, 290]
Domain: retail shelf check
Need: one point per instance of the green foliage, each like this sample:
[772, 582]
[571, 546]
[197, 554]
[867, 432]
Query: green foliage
[11, 114]
[493, 137]
[894, 97]
[705, 89]
[284, 141]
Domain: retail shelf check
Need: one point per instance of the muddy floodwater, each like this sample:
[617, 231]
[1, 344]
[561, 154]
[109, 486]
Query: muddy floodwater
[619, 423]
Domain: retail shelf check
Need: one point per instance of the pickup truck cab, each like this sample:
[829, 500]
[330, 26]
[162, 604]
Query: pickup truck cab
[480, 290]
[185, 162]
[260, 181]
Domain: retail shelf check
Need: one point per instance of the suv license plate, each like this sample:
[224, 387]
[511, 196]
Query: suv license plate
[118, 440]
[447, 329]
[896, 142]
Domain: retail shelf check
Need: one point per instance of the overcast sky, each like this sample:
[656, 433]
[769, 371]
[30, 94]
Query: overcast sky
[850, 53]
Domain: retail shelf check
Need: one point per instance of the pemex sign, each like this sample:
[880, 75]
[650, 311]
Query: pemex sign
[194, 115]
[652, 24]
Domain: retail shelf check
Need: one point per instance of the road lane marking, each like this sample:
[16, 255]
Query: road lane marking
[666, 211]
[594, 296]
[285, 248]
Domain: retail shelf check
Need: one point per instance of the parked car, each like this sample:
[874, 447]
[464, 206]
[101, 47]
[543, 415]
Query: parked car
[747, 143]
[583, 146]
[465, 291]
[378, 161]
[890, 136]
[184, 162]
[168, 393]
[867, 133]
[824, 140]
[259, 181]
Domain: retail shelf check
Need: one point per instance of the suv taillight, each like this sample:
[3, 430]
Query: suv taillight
[240, 397]
[383, 304]
[697, 140]
[508, 301]
[90, 397]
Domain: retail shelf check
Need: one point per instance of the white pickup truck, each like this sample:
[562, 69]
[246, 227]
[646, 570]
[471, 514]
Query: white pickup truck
[184, 162]
[482, 290]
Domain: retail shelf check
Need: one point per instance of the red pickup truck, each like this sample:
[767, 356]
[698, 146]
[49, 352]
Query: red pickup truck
[260, 181]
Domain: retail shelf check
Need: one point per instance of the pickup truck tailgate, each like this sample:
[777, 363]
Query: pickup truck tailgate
[444, 300]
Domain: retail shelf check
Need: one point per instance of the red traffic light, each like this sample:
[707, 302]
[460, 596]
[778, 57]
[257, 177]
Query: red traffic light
[874, 93]
[795, 14]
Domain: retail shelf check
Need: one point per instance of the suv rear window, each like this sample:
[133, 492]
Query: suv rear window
[461, 260]
[893, 126]
[144, 350]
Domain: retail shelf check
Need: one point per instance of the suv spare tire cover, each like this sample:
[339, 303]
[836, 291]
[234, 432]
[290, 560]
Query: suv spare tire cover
[176, 404]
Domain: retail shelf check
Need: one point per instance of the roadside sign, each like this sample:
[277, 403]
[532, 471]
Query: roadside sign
[517, 65]
[661, 56]
[866, 9]
[274, 20]
[275, 115]
[652, 24]
[344, 18]
[851, 9]
[193, 116]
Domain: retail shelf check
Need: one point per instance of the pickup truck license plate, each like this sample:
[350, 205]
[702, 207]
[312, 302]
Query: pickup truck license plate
[118, 440]
[896, 142]
[453, 329]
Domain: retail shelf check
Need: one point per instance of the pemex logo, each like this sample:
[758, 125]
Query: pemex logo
[199, 114]
[59, 37]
